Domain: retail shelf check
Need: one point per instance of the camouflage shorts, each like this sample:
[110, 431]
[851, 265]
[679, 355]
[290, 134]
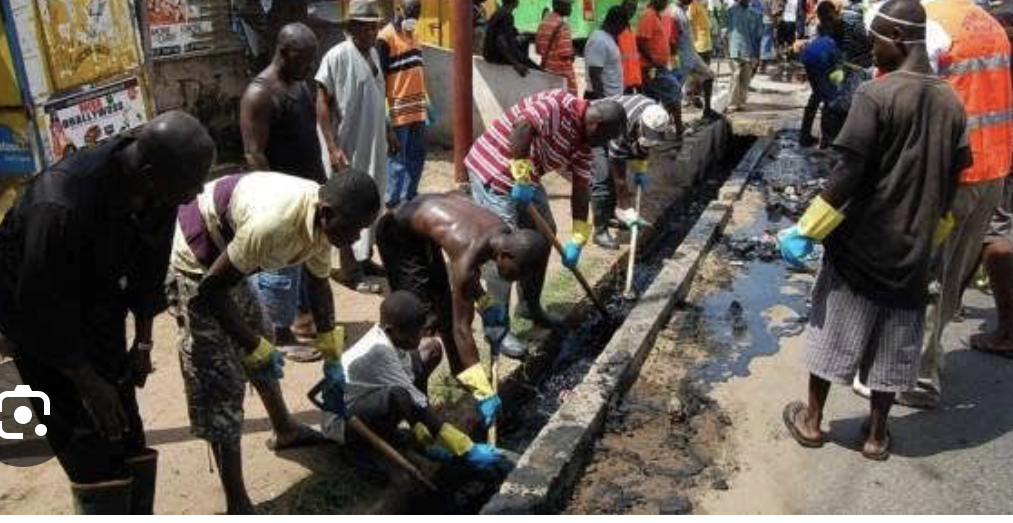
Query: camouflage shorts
[210, 360]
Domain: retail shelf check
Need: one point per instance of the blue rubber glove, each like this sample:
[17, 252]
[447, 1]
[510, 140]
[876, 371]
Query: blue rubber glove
[494, 316]
[571, 254]
[334, 388]
[522, 193]
[273, 370]
[488, 409]
[796, 248]
[438, 453]
[640, 180]
[483, 456]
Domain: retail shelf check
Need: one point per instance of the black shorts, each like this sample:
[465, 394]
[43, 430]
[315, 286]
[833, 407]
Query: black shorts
[415, 264]
[786, 33]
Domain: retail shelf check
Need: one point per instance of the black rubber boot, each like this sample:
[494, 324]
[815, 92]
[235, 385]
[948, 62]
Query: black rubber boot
[105, 498]
[145, 470]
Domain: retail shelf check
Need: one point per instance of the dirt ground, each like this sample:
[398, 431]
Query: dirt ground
[317, 480]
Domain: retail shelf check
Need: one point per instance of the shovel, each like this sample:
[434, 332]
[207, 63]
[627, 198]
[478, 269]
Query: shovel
[628, 293]
[375, 441]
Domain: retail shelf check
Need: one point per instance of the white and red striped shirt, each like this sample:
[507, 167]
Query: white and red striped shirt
[558, 120]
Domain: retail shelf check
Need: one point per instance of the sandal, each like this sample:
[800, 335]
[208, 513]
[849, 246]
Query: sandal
[300, 353]
[884, 453]
[789, 415]
[356, 282]
[305, 437]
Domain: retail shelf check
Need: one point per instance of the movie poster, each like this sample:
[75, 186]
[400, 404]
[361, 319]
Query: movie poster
[87, 40]
[92, 118]
[176, 27]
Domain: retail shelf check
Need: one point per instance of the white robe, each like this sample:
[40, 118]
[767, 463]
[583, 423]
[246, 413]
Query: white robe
[361, 98]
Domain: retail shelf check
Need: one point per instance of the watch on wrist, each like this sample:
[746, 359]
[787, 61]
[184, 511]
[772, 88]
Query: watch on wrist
[145, 346]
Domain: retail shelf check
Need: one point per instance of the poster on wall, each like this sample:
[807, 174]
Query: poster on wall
[87, 40]
[176, 27]
[15, 147]
[89, 119]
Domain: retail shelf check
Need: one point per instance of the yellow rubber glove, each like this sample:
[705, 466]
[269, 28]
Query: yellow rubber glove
[837, 77]
[476, 381]
[484, 302]
[638, 166]
[457, 442]
[260, 356]
[331, 343]
[581, 232]
[520, 169]
[943, 229]
[819, 220]
[422, 434]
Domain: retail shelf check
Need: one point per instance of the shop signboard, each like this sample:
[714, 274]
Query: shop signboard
[16, 157]
[91, 118]
[177, 27]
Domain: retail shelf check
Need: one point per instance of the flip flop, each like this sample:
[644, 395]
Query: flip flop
[357, 283]
[789, 415]
[300, 353]
[306, 437]
[883, 454]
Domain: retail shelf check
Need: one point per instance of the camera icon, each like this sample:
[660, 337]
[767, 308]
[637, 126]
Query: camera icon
[23, 414]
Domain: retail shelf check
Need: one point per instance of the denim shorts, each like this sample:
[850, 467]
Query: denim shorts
[500, 204]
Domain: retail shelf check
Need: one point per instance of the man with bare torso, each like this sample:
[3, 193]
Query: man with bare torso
[412, 241]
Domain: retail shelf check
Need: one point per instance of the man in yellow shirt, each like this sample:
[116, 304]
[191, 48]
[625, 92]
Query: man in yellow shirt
[240, 225]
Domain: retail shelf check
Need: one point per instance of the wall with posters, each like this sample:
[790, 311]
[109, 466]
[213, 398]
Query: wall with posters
[86, 120]
[88, 40]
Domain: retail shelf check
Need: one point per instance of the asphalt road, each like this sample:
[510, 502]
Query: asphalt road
[955, 459]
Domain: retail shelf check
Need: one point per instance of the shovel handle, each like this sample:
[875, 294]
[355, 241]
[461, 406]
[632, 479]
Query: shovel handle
[633, 250]
[376, 442]
[546, 231]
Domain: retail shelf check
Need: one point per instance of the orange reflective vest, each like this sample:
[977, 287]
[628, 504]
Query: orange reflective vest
[977, 66]
[406, 83]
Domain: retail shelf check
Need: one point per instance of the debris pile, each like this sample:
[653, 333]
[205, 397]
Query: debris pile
[794, 176]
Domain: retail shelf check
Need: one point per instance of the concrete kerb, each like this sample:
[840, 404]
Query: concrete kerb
[708, 142]
[545, 473]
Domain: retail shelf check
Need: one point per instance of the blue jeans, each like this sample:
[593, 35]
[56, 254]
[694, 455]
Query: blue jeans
[404, 169]
[281, 291]
[665, 87]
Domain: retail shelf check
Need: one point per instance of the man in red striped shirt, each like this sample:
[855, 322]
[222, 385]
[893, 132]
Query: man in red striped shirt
[549, 131]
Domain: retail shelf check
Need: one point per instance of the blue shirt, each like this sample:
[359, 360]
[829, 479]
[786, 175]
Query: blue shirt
[745, 29]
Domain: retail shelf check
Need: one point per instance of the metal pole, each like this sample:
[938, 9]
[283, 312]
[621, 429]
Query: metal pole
[462, 97]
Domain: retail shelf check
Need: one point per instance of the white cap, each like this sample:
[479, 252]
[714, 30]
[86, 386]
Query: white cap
[655, 118]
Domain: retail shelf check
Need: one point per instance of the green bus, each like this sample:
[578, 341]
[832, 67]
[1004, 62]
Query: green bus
[587, 15]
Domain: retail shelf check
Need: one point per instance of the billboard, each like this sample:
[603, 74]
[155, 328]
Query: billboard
[87, 40]
[91, 118]
[177, 27]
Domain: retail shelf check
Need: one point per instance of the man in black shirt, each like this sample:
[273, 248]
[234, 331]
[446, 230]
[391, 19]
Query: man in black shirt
[277, 116]
[88, 243]
[902, 147]
[502, 41]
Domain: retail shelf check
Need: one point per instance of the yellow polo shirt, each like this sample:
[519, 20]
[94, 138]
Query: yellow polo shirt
[701, 26]
[273, 216]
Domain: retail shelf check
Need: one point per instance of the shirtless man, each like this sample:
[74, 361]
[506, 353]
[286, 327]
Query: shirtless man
[410, 241]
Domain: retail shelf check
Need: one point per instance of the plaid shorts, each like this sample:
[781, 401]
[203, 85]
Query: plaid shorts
[848, 333]
[210, 360]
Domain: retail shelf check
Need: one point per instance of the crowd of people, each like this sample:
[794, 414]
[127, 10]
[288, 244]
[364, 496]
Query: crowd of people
[243, 262]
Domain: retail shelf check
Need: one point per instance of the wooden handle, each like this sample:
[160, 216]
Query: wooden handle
[492, 435]
[633, 251]
[388, 451]
[546, 231]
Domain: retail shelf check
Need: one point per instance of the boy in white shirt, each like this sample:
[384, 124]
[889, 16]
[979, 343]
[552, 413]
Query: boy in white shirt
[386, 373]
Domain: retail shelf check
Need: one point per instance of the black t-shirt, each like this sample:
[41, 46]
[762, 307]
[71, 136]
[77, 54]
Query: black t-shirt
[501, 23]
[74, 260]
[909, 129]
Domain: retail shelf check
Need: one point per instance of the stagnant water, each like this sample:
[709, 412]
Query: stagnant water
[577, 350]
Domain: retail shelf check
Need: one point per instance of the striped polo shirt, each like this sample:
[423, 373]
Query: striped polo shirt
[401, 62]
[558, 120]
[627, 145]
